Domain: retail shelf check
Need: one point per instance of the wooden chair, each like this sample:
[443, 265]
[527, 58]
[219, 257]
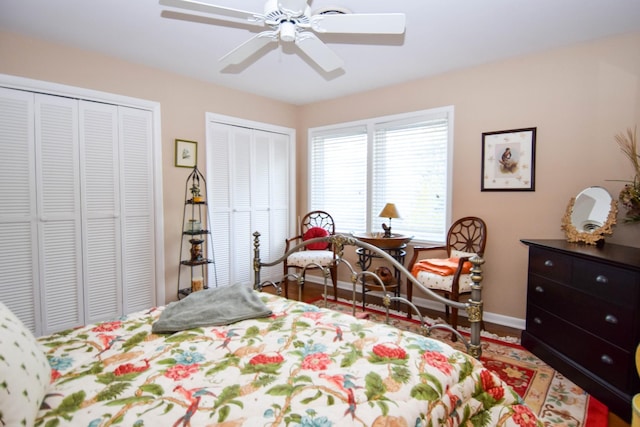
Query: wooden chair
[314, 224]
[466, 237]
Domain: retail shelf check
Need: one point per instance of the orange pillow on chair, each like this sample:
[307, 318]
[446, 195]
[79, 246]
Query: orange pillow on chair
[314, 232]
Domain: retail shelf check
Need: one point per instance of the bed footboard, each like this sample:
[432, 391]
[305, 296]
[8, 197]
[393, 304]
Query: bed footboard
[473, 306]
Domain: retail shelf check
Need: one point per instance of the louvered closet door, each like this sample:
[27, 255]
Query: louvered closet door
[219, 202]
[137, 209]
[270, 196]
[102, 272]
[58, 201]
[241, 188]
[18, 245]
[76, 210]
[248, 190]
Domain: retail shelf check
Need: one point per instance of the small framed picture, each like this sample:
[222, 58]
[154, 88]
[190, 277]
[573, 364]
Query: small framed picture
[186, 153]
[508, 160]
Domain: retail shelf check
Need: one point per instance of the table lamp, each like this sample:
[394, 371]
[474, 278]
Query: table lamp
[389, 211]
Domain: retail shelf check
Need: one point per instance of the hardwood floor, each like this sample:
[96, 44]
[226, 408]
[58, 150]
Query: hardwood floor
[312, 291]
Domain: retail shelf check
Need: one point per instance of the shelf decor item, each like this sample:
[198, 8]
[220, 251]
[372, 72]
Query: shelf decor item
[193, 226]
[197, 284]
[630, 193]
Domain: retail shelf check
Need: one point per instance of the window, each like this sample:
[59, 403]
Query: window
[356, 168]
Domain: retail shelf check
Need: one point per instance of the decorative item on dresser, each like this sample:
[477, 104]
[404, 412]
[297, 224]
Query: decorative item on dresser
[583, 316]
[590, 216]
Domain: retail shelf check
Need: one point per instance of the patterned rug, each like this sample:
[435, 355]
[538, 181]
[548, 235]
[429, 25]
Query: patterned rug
[556, 400]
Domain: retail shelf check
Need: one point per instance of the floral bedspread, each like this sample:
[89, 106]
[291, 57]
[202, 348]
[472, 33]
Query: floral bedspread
[301, 366]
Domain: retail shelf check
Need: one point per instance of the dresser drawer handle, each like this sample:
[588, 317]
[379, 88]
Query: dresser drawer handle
[610, 318]
[606, 359]
[539, 289]
[537, 321]
[548, 263]
[602, 279]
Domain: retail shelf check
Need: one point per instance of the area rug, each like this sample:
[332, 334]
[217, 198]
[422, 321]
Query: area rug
[556, 400]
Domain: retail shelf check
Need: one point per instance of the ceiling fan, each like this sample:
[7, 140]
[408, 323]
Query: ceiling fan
[292, 21]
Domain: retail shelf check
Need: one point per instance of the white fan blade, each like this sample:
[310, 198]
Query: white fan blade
[292, 8]
[237, 14]
[248, 48]
[319, 52]
[359, 23]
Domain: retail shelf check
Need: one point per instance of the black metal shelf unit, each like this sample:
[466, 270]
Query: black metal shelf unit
[198, 255]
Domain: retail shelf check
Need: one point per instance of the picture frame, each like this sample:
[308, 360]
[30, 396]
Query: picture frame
[186, 153]
[508, 160]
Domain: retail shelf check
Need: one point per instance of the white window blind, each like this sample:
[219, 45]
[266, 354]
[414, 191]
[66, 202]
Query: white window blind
[339, 176]
[357, 168]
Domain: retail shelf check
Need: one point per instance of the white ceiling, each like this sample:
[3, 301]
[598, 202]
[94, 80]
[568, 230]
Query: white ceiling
[441, 35]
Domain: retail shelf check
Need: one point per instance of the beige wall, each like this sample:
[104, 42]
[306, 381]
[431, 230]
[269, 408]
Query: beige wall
[578, 98]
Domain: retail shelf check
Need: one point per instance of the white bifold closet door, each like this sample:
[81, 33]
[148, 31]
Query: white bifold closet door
[75, 202]
[18, 226]
[58, 216]
[248, 174]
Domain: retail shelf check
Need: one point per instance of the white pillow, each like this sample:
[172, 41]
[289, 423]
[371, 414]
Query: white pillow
[24, 372]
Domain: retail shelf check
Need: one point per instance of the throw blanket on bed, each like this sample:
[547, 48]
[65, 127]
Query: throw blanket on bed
[211, 307]
[442, 267]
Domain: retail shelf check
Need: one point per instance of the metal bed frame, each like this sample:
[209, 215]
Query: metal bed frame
[473, 306]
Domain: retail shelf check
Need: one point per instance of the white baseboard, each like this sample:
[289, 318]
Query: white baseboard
[498, 319]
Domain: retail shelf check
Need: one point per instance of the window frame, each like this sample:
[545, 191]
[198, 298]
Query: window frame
[369, 125]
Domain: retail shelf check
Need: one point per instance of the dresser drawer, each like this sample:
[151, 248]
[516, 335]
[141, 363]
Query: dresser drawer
[608, 321]
[552, 265]
[605, 360]
[609, 283]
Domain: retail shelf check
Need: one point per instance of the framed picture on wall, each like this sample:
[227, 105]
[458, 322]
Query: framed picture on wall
[508, 160]
[186, 153]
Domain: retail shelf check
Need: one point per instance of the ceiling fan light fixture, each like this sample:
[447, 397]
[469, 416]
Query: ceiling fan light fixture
[287, 31]
[331, 10]
[292, 8]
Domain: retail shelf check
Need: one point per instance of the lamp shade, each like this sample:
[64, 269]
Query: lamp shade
[389, 211]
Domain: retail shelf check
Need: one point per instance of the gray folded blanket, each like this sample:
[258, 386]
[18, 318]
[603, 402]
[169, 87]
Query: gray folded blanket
[211, 307]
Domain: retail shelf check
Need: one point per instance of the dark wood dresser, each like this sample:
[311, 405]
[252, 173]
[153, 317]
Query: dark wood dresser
[583, 316]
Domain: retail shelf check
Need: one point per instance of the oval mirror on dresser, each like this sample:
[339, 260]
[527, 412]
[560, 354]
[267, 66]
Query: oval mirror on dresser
[590, 216]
